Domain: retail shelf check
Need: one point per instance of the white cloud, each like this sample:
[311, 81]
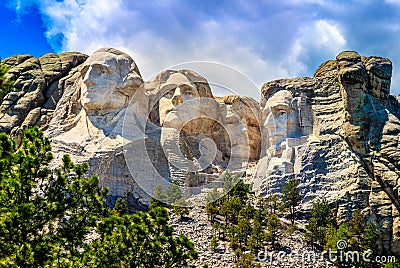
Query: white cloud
[265, 39]
[396, 2]
[322, 39]
[160, 34]
[87, 25]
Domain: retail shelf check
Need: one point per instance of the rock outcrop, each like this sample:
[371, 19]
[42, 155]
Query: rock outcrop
[351, 154]
[39, 84]
[338, 132]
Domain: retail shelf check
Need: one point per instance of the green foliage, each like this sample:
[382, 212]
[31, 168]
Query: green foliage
[181, 207]
[46, 217]
[139, 240]
[273, 227]
[333, 235]
[213, 243]
[392, 265]
[359, 237]
[258, 235]
[173, 193]
[246, 260]
[321, 219]
[241, 190]
[213, 196]
[230, 181]
[212, 205]
[243, 231]
[159, 197]
[246, 225]
[5, 84]
[230, 209]
[322, 213]
[171, 198]
[120, 207]
[291, 197]
[273, 204]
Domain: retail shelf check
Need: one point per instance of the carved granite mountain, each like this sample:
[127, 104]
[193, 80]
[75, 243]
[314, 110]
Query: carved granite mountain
[338, 132]
[339, 137]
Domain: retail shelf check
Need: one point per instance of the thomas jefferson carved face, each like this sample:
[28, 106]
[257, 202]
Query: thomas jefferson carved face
[177, 90]
[110, 78]
[280, 120]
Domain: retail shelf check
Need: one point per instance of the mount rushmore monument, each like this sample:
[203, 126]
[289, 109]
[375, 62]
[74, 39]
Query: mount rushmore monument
[338, 132]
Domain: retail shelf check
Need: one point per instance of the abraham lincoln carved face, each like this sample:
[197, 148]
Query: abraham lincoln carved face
[280, 120]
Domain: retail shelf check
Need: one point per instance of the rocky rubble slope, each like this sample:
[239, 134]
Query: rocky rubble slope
[291, 252]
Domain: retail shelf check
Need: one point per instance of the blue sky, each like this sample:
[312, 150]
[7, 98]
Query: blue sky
[265, 40]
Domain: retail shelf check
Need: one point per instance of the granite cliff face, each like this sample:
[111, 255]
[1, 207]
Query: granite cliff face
[338, 132]
[342, 142]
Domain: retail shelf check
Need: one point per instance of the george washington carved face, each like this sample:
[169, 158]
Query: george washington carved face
[110, 77]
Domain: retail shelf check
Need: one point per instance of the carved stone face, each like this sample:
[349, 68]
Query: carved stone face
[178, 89]
[110, 78]
[279, 120]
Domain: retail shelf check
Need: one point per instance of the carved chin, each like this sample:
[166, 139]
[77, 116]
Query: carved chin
[276, 151]
[113, 101]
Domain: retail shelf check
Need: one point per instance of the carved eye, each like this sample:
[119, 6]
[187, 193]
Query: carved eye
[169, 93]
[281, 113]
[101, 70]
[188, 93]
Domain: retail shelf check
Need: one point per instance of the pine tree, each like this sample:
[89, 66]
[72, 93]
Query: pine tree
[392, 265]
[230, 208]
[273, 226]
[321, 219]
[243, 231]
[246, 260]
[333, 235]
[159, 197]
[257, 235]
[357, 228]
[44, 216]
[120, 207]
[173, 193]
[291, 197]
[213, 243]
[212, 207]
[273, 204]
[139, 240]
[181, 207]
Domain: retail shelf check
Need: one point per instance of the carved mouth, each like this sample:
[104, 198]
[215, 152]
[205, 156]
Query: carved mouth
[170, 111]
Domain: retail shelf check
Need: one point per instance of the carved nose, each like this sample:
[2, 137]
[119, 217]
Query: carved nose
[87, 80]
[177, 98]
[88, 83]
[270, 122]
